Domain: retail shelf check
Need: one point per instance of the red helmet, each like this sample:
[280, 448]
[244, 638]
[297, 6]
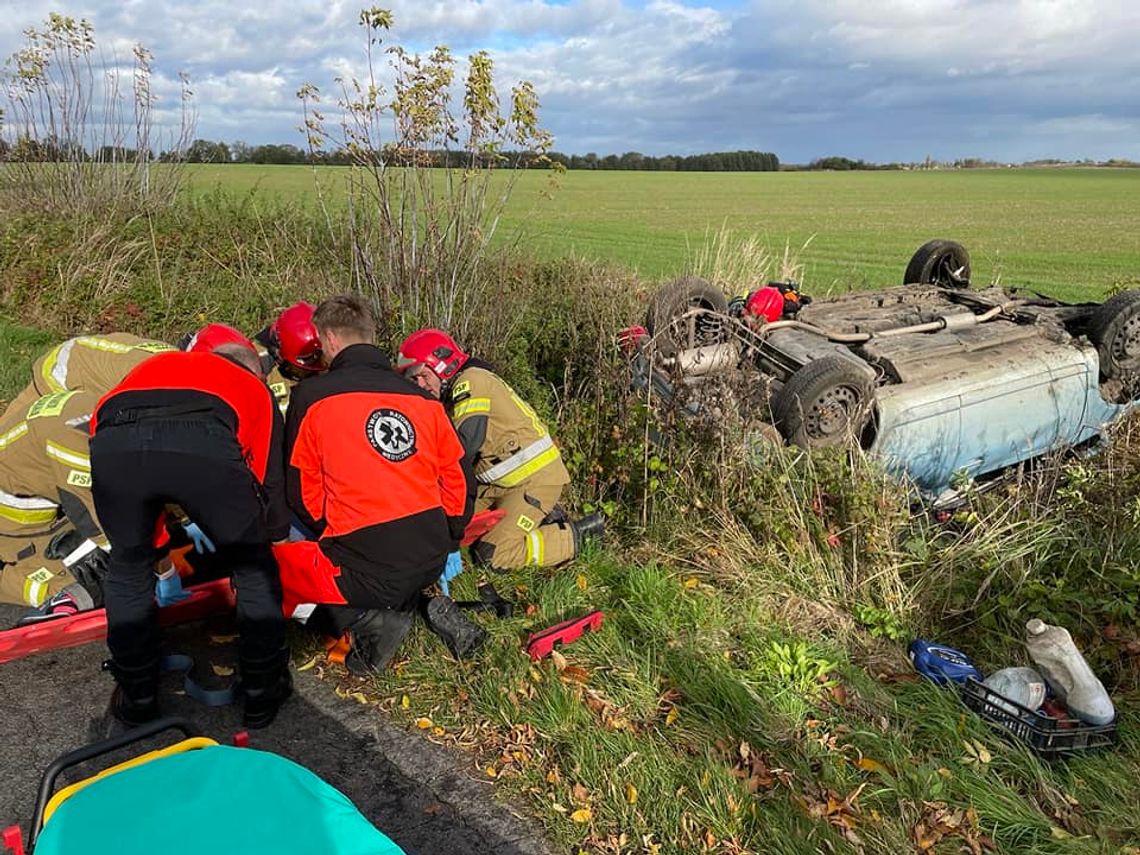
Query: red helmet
[294, 338]
[433, 348]
[766, 303]
[213, 336]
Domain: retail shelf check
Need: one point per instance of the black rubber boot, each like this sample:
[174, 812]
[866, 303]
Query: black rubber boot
[135, 699]
[264, 687]
[376, 636]
[590, 527]
[461, 635]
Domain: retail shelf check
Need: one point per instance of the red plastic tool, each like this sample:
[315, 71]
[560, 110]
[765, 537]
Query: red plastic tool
[480, 524]
[205, 599]
[12, 840]
[542, 643]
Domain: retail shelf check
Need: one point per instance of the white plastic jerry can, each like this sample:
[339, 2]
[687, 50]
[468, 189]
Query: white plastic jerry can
[1061, 664]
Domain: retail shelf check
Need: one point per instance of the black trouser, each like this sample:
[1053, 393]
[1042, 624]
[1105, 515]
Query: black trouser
[192, 461]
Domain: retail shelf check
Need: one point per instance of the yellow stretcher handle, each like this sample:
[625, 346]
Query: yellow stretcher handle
[67, 792]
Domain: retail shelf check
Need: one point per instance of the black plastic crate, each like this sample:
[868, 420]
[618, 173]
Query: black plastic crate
[1049, 737]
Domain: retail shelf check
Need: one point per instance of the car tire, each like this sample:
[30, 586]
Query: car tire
[824, 404]
[1115, 330]
[939, 262]
[663, 322]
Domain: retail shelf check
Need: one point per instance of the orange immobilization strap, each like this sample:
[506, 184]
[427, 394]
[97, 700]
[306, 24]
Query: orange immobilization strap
[179, 558]
[338, 648]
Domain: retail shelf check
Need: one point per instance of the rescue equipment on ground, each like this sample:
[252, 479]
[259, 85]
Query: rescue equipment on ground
[543, 642]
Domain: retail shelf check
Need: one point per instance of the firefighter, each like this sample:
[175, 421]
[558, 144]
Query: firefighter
[375, 470]
[291, 350]
[515, 460]
[199, 430]
[54, 551]
[93, 363]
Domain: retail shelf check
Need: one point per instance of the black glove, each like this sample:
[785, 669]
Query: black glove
[63, 544]
[90, 571]
[89, 568]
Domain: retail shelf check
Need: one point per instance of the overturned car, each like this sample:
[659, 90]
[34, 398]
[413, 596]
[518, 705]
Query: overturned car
[939, 380]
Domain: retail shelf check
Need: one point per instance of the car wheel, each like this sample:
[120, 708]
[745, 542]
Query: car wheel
[1115, 330]
[939, 262]
[824, 404]
[669, 328]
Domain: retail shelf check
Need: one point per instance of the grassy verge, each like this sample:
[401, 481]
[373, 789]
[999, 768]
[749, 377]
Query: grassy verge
[696, 720]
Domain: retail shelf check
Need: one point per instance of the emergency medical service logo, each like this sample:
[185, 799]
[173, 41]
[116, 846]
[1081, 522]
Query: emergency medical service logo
[392, 434]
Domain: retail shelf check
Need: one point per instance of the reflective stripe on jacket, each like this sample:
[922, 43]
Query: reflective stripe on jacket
[515, 445]
[92, 362]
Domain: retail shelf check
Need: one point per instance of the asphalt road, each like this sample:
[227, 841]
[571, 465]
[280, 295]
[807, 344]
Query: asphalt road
[417, 793]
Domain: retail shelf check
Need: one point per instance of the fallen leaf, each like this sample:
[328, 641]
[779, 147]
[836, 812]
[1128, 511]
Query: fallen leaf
[869, 765]
[309, 664]
[359, 697]
[222, 670]
[631, 794]
[691, 583]
[945, 773]
[1060, 833]
[559, 660]
[405, 702]
[423, 723]
[839, 694]
[574, 674]
[531, 610]
[223, 639]
[552, 777]
[983, 754]
[490, 771]
[579, 793]
[438, 731]
[671, 716]
[582, 815]
[582, 585]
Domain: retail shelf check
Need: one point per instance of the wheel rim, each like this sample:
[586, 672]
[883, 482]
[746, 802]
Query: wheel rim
[831, 414]
[1126, 343]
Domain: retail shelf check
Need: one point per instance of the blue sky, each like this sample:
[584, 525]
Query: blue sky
[875, 79]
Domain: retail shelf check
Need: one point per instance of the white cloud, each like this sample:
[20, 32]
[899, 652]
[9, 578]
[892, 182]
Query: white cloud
[893, 79]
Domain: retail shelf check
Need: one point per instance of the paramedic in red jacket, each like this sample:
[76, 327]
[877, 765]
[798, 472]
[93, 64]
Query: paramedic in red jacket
[201, 431]
[374, 470]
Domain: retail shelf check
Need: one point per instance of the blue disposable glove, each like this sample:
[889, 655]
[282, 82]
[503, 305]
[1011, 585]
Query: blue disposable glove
[169, 591]
[451, 569]
[202, 544]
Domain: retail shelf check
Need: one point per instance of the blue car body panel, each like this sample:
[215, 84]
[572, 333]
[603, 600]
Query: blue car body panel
[992, 418]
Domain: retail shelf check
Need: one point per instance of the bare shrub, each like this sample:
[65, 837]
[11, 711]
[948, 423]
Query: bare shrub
[79, 126]
[429, 179]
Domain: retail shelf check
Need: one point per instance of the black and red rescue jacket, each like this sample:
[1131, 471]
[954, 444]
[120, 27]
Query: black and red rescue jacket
[205, 385]
[375, 468]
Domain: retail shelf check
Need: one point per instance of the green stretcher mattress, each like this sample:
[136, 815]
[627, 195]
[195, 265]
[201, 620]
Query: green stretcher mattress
[217, 799]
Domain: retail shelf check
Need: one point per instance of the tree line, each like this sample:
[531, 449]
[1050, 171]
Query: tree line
[207, 151]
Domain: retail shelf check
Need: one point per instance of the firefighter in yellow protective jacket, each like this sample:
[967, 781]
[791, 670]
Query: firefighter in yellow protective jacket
[515, 460]
[53, 551]
[93, 363]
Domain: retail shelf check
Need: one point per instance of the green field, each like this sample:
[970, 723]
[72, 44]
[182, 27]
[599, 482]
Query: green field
[1072, 232]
